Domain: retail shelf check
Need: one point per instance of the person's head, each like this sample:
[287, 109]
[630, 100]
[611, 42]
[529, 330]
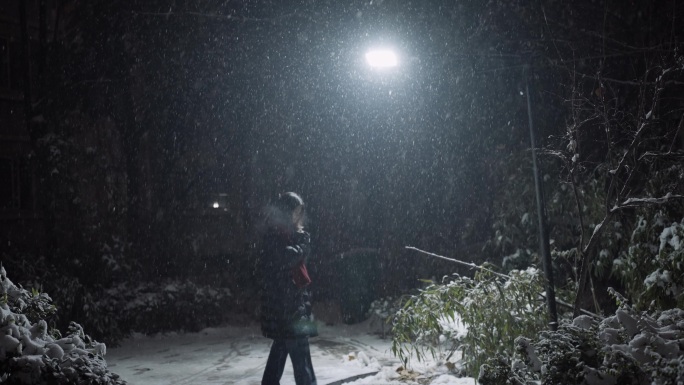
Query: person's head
[293, 206]
[288, 211]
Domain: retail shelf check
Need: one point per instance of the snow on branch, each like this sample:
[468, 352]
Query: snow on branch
[633, 202]
[652, 154]
[469, 264]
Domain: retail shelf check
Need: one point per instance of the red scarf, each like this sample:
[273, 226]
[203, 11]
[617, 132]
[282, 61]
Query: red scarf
[300, 276]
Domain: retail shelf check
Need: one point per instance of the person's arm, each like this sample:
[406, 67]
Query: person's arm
[299, 250]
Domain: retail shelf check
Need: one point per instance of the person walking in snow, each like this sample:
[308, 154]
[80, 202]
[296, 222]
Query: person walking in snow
[285, 301]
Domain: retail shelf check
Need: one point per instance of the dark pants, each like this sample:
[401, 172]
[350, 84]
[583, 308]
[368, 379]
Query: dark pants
[300, 355]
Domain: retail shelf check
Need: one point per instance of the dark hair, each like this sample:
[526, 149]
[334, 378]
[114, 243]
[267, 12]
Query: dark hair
[289, 201]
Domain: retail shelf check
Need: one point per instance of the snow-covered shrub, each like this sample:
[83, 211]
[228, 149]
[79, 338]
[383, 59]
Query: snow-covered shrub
[650, 268]
[111, 313]
[630, 347]
[384, 307]
[380, 313]
[494, 308]
[78, 302]
[158, 307]
[75, 285]
[32, 354]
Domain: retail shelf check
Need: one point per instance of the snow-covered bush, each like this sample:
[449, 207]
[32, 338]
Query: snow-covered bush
[381, 312]
[158, 307]
[32, 354]
[110, 312]
[494, 308]
[630, 347]
[384, 307]
[652, 264]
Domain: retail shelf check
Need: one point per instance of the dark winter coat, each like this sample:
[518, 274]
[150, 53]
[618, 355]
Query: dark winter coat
[285, 308]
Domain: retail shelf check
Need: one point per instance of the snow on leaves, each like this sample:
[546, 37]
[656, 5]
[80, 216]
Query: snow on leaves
[31, 354]
[629, 347]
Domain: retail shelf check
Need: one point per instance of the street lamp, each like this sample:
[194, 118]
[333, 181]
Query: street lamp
[544, 248]
[382, 58]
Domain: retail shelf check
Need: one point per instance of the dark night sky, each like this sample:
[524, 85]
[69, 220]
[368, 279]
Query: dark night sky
[386, 158]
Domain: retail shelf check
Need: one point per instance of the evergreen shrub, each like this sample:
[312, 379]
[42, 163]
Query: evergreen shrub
[30, 353]
[112, 311]
[627, 348]
[480, 316]
[652, 266]
[173, 305]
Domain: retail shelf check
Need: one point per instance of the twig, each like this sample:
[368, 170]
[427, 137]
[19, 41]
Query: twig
[653, 154]
[571, 307]
[580, 217]
[469, 264]
[353, 378]
[637, 202]
[676, 135]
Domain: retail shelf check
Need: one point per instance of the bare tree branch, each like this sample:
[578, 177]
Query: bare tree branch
[625, 169]
[669, 154]
[469, 264]
[638, 202]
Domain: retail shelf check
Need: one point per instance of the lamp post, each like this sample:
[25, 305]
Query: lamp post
[544, 248]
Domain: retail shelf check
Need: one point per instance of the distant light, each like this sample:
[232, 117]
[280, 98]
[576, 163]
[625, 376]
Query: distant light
[382, 58]
[216, 205]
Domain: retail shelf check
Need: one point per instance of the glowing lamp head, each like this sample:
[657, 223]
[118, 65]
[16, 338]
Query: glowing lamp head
[382, 58]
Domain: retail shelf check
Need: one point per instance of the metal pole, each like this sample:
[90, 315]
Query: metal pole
[541, 214]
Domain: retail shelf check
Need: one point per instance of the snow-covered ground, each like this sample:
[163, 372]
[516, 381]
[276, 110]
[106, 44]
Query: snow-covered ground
[237, 355]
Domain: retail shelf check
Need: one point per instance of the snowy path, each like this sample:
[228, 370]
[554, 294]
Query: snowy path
[237, 355]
